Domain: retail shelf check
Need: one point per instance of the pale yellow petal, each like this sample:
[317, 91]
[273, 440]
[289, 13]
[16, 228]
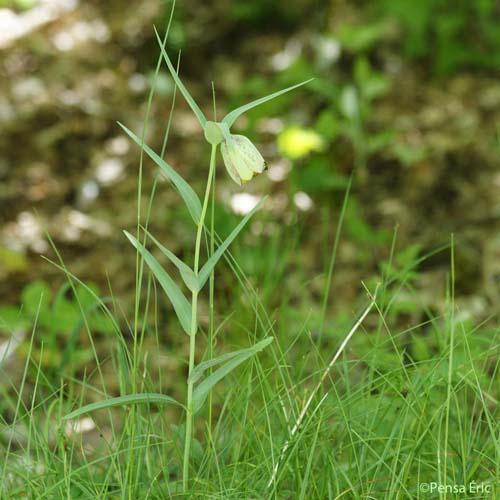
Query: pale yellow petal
[250, 154]
[229, 164]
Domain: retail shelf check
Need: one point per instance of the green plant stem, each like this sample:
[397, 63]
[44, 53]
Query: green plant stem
[211, 323]
[194, 311]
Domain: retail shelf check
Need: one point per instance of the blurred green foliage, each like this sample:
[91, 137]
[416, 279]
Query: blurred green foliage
[451, 34]
[18, 4]
[265, 13]
[11, 260]
[59, 320]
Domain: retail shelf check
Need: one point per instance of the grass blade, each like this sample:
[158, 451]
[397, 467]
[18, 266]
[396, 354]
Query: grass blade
[231, 117]
[205, 365]
[179, 302]
[196, 110]
[185, 190]
[201, 392]
[212, 261]
[186, 272]
[129, 399]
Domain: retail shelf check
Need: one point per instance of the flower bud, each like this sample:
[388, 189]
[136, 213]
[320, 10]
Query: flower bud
[241, 158]
[213, 133]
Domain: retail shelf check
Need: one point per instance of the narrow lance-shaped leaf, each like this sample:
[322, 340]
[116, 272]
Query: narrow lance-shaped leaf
[198, 371]
[231, 117]
[201, 392]
[179, 302]
[122, 401]
[185, 190]
[186, 272]
[212, 261]
[196, 110]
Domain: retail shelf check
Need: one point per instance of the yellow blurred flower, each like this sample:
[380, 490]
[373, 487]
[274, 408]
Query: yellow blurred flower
[297, 142]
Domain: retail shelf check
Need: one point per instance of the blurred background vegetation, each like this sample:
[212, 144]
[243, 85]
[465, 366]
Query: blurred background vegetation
[406, 100]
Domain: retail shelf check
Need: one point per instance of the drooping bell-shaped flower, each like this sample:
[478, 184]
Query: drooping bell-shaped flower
[242, 159]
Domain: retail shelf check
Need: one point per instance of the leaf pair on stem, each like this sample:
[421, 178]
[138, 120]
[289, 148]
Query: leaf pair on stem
[241, 158]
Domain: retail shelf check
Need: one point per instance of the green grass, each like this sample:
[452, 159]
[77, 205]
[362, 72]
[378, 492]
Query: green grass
[391, 419]
[404, 405]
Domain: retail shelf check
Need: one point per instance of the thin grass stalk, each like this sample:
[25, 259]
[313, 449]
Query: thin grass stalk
[333, 258]
[139, 271]
[304, 410]
[451, 327]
